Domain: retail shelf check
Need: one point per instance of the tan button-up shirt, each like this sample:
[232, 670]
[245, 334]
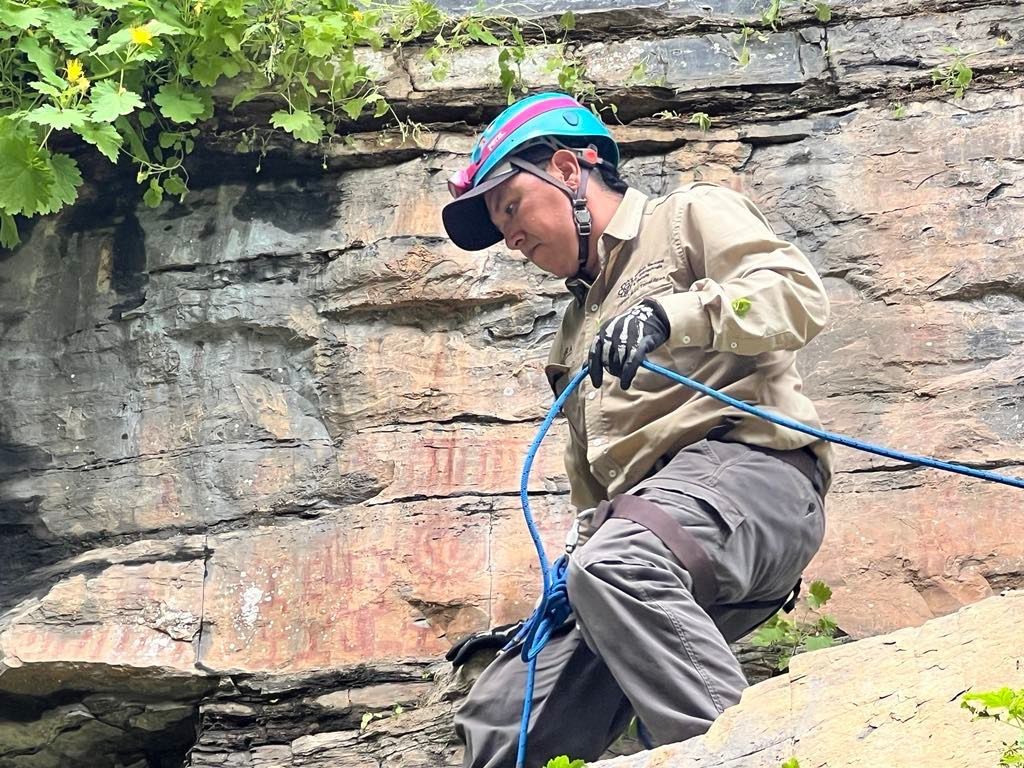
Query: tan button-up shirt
[740, 301]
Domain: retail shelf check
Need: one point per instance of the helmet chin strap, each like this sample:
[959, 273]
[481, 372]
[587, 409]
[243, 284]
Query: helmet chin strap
[581, 218]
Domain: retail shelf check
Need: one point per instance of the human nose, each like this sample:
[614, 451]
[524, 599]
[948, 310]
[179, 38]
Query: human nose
[515, 240]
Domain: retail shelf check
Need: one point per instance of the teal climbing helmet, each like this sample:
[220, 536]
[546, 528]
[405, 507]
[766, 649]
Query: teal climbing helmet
[553, 118]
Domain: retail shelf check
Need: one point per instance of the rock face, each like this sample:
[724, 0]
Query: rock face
[905, 713]
[260, 451]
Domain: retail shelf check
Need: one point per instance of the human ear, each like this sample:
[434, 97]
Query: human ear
[565, 167]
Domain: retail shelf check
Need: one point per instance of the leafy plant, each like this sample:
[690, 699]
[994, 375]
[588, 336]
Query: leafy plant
[791, 763]
[369, 717]
[562, 761]
[1007, 706]
[898, 109]
[956, 75]
[743, 40]
[770, 15]
[702, 120]
[136, 78]
[783, 637]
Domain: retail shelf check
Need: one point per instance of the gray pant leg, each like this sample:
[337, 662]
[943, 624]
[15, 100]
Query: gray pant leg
[633, 603]
[760, 522]
[578, 708]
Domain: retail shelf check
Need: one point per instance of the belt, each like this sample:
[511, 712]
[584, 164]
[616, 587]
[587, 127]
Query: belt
[804, 460]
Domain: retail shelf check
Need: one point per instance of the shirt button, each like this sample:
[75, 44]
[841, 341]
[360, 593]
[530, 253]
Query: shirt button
[686, 339]
[591, 395]
[612, 473]
[733, 345]
[594, 307]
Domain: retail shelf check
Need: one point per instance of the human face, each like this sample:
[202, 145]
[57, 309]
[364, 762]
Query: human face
[535, 218]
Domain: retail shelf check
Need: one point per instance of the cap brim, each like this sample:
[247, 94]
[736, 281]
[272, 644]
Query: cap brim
[466, 219]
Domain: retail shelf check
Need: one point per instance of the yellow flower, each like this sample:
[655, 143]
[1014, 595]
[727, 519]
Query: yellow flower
[83, 84]
[75, 70]
[142, 36]
[357, 16]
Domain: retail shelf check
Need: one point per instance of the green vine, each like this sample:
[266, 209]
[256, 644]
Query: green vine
[135, 79]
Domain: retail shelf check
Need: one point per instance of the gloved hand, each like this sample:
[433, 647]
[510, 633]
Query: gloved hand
[624, 341]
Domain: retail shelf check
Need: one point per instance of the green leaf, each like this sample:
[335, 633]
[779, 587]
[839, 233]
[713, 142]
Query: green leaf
[104, 137]
[110, 102]
[127, 130]
[67, 180]
[175, 185]
[46, 88]
[208, 71]
[826, 625]
[486, 37]
[233, 8]
[44, 59]
[21, 18]
[73, 32]
[154, 195]
[146, 119]
[1000, 699]
[56, 118]
[791, 763]
[702, 121]
[823, 11]
[820, 593]
[179, 105]
[118, 40]
[354, 107]
[26, 176]
[742, 305]
[8, 231]
[567, 21]
[768, 635]
[817, 642]
[303, 125]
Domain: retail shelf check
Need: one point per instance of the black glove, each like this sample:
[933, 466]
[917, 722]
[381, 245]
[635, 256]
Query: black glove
[496, 638]
[624, 341]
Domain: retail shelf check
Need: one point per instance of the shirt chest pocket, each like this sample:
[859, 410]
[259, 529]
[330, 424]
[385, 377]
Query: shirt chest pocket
[653, 277]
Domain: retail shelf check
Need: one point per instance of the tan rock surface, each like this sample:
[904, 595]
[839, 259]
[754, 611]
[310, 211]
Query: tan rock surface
[891, 701]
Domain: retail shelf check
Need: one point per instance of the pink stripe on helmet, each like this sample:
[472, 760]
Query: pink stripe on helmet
[514, 124]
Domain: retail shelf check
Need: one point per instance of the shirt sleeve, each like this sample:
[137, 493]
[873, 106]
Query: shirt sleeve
[753, 292]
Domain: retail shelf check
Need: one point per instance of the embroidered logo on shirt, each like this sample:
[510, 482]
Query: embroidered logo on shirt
[643, 277]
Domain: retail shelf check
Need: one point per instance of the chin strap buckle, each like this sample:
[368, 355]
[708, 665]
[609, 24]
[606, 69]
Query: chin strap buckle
[582, 217]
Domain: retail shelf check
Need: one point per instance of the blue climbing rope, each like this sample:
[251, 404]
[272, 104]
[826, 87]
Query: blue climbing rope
[553, 608]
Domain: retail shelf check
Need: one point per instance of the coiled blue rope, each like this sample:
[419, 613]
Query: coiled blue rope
[554, 607]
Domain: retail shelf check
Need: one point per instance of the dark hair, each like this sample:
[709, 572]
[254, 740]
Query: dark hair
[541, 154]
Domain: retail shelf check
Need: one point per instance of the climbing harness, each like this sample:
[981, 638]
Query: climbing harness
[553, 608]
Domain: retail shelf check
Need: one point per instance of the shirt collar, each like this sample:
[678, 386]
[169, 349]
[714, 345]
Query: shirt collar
[624, 225]
[625, 221]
